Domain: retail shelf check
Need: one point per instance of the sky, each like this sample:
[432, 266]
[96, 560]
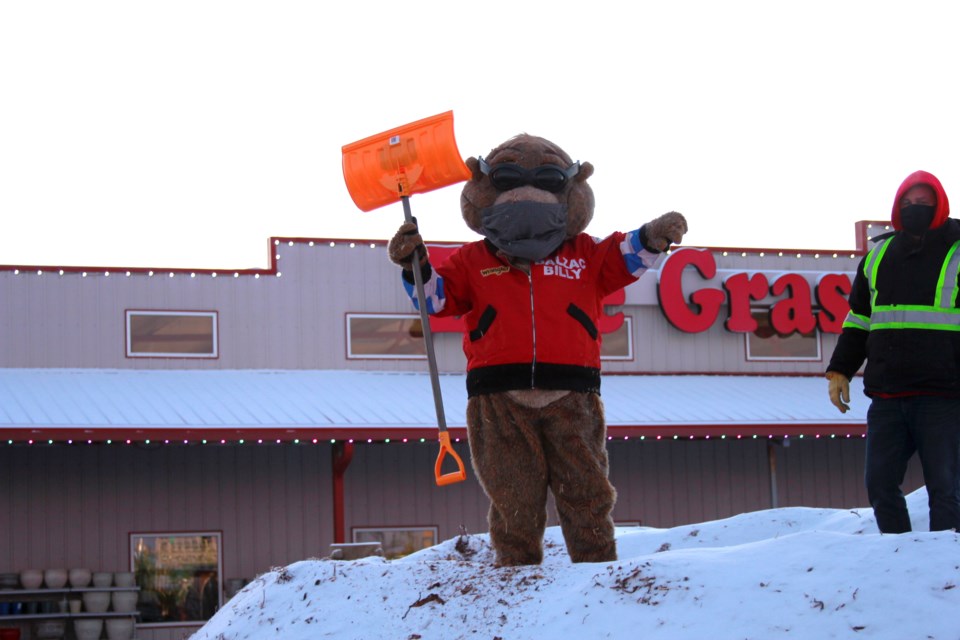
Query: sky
[187, 133]
[794, 573]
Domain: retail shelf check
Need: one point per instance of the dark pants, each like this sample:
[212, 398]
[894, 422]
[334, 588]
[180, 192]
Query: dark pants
[896, 429]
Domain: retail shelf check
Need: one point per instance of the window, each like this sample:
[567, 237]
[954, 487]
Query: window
[385, 336]
[397, 542]
[766, 344]
[179, 575]
[618, 345]
[182, 334]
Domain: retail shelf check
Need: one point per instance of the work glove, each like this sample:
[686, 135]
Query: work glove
[404, 243]
[666, 230]
[839, 390]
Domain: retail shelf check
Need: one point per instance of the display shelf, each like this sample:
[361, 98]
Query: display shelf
[58, 595]
[26, 617]
[67, 590]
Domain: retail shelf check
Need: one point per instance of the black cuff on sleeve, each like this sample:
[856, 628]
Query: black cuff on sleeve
[425, 271]
[644, 241]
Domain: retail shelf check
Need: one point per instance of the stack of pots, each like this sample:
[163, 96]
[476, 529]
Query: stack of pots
[117, 628]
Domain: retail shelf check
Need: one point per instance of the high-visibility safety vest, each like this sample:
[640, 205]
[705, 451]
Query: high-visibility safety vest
[943, 315]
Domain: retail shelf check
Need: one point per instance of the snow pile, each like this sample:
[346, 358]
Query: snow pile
[781, 573]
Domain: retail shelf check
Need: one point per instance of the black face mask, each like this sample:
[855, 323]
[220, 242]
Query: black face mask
[531, 230]
[916, 218]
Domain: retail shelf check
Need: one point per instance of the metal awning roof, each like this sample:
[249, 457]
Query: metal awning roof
[192, 405]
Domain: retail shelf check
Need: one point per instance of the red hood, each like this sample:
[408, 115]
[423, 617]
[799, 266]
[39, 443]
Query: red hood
[922, 177]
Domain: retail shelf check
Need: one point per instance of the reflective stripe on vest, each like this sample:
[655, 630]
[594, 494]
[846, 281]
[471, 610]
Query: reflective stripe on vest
[943, 315]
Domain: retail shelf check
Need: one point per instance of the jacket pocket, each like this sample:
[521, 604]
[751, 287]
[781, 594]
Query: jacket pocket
[581, 316]
[486, 319]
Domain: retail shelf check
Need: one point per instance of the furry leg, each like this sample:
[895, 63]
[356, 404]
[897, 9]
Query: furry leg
[575, 447]
[508, 459]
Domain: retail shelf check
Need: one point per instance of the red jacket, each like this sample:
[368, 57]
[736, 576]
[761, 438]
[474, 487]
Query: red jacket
[537, 330]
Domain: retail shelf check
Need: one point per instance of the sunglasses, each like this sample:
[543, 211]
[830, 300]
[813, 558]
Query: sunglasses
[549, 177]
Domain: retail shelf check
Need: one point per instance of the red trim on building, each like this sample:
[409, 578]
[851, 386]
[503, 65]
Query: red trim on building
[863, 228]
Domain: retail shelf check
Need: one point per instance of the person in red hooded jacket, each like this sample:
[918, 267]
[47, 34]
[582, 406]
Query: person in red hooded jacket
[904, 321]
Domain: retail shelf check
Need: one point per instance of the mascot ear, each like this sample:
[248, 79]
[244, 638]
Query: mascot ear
[586, 170]
[474, 165]
[475, 195]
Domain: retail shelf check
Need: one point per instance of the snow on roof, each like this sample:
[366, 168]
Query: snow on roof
[365, 404]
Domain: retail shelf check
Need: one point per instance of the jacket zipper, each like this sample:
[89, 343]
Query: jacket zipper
[533, 329]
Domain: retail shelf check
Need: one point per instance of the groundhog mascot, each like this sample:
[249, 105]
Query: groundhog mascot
[530, 294]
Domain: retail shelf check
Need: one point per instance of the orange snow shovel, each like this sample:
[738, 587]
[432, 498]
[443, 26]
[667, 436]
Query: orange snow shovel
[393, 165]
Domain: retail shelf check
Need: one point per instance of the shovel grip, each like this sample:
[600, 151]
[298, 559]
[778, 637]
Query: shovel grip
[454, 476]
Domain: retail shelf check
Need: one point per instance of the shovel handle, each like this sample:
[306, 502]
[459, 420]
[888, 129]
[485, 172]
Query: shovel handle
[454, 476]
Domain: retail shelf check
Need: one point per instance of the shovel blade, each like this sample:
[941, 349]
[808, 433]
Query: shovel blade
[413, 158]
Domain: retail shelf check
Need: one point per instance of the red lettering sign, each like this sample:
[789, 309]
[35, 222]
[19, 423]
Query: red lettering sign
[706, 302]
[793, 313]
[832, 294]
[741, 289]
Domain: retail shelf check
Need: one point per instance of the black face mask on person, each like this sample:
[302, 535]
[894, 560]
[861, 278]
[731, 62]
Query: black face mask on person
[916, 218]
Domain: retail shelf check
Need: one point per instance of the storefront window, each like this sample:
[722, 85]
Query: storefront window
[181, 334]
[179, 575]
[618, 345]
[766, 344]
[385, 336]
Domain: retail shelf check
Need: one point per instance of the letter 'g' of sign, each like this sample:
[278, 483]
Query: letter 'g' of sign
[706, 302]
[789, 314]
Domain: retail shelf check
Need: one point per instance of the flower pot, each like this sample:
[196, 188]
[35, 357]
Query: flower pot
[124, 600]
[120, 628]
[124, 579]
[55, 578]
[87, 628]
[31, 578]
[96, 601]
[79, 578]
[102, 579]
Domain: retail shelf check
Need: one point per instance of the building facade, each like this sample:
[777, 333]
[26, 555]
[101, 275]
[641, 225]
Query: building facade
[275, 412]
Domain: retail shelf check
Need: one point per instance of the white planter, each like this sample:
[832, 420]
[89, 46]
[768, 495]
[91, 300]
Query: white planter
[102, 579]
[119, 628]
[55, 578]
[96, 601]
[31, 578]
[124, 579]
[124, 601]
[87, 628]
[79, 578]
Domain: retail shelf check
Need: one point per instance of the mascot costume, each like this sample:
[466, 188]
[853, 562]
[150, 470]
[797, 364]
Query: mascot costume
[530, 295]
